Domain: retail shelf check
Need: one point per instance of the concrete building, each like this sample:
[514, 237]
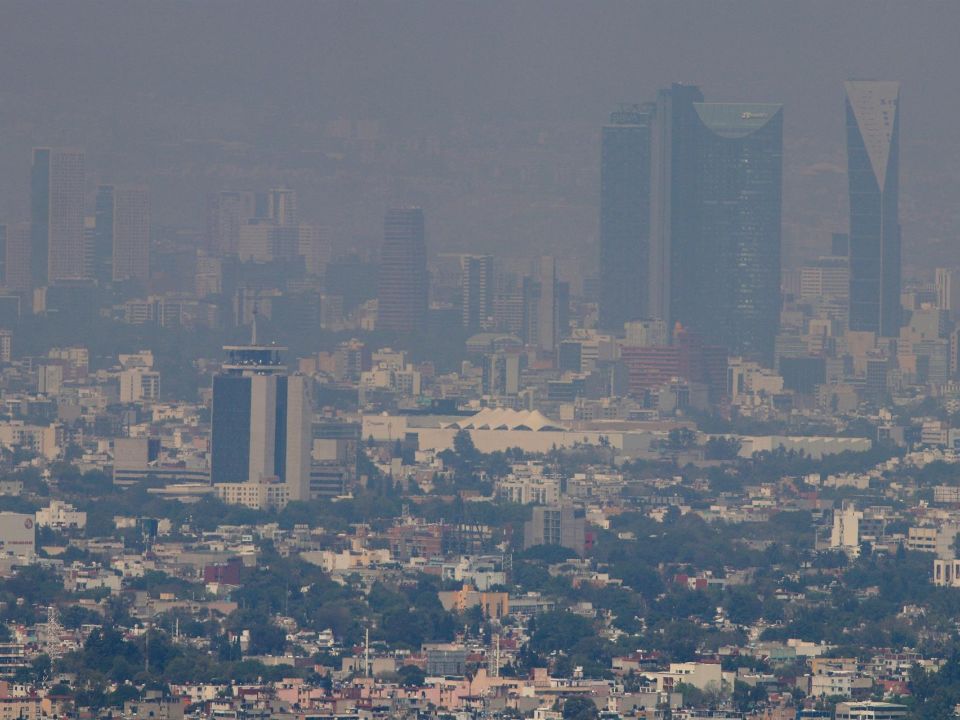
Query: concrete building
[494, 605]
[556, 525]
[529, 484]
[404, 282]
[828, 277]
[936, 539]
[543, 302]
[476, 287]
[704, 676]
[646, 333]
[50, 379]
[131, 234]
[282, 207]
[16, 258]
[314, 248]
[18, 535]
[45, 440]
[267, 493]
[947, 287]
[227, 212]
[946, 572]
[139, 385]
[132, 457]
[61, 516]
[869, 710]
[845, 534]
[446, 660]
[58, 245]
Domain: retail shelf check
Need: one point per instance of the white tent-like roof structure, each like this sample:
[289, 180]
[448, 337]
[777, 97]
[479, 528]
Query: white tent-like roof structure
[506, 419]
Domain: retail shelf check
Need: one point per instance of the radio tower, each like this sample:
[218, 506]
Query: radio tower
[54, 640]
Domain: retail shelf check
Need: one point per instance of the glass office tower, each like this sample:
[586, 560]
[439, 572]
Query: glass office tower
[740, 170]
[625, 217]
[716, 209]
[873, 170]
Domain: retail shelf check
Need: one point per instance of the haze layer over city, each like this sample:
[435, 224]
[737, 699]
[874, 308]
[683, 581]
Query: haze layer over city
[439, 361]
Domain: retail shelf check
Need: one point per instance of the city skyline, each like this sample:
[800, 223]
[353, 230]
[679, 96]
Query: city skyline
[537, 360]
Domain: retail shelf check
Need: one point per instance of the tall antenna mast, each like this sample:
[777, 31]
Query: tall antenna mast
[253, 324]
[366, 654]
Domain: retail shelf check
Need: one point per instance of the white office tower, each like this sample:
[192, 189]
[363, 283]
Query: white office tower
[261, 421]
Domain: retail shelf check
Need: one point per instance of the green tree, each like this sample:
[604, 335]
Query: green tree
[722, 448]
[558, 630]
[412, 676]
[580, 708]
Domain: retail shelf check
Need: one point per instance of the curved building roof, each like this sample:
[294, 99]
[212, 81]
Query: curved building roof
[736, 120]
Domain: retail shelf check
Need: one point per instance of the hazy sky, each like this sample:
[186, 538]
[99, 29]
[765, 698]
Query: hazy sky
[127, 80]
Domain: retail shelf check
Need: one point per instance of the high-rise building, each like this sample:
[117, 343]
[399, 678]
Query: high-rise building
[227, 212]
[501, 372]
[828, 277]
[131, 234]
[3, 255]
[542, 299]
[313, 245]
[873, 172]
[674, 229]
[261, 421]
[39, 216]
[875, 388]
[404, 283]
[716, 219]
[548, 320]
[556, 525]
[947, 285]
[740, 172]
[625, 217]
[57, 216]
[646, 333]
[282, 206]
[16, 258]
[840, 245]
[103, 234]
[477, 290]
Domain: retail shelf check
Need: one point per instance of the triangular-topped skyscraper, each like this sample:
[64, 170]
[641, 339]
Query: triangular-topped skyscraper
[873, 167]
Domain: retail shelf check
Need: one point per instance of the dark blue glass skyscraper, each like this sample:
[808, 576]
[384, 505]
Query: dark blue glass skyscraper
[103, 234]
[624, 216]
[740, 168]
[717, 198]
[674, 226]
